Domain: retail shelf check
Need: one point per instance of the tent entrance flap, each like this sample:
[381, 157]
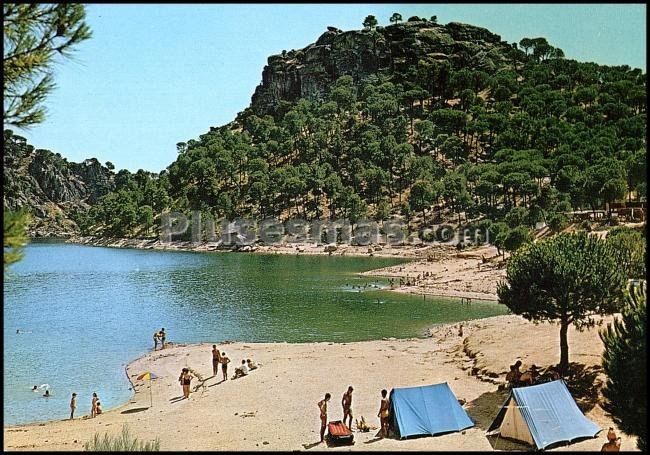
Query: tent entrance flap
[514, 426]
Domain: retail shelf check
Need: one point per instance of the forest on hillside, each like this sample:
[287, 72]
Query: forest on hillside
[433, 140]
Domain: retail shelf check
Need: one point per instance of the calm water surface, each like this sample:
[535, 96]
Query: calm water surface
[84, 312]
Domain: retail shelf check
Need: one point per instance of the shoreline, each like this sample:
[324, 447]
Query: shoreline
[436, 270]
[273, 408]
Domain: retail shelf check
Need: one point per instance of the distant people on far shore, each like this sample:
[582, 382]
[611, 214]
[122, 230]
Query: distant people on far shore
[73, 404]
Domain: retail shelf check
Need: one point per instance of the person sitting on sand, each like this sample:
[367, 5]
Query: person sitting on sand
[613, 443]
[514, 376]
[241, 370]
[251, 365]
[98, 408]
[529, 377]
[224, 365]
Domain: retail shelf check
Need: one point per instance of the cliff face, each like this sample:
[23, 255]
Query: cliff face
[50, 187]
[308, 72]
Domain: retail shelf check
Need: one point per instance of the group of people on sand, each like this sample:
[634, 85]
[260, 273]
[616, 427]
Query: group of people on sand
[218, 358]
[95, 409]
[246, 366]
[159, 337]
[346, 403]
[532, 376]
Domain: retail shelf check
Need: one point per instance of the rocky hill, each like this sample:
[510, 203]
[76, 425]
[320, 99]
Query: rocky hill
[308, 72]
[49, 187]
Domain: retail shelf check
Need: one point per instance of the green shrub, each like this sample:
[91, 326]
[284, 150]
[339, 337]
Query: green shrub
[121, 443]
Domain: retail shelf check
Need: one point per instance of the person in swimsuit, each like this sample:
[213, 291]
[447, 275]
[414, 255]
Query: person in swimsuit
[46, 394]
[98, 409]
[383, 414]
[216, 359]
[346, 402]
[322, 405]
[162, 338]
[224, 365]
[185, 380]
[93, 408]
[73, 404]
[156, 335]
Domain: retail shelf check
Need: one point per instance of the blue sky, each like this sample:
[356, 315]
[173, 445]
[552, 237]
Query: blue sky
[155, 75]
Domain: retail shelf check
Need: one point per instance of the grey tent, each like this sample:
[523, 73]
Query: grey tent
[542, 415]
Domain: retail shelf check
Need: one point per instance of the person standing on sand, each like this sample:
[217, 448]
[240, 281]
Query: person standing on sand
[93, 408]
[162, 338]
[156, 335]
[224, 365]
[216, 359]
[185, 379]
[322, 406]
[346, 402]
[383, 414]
[73, 405]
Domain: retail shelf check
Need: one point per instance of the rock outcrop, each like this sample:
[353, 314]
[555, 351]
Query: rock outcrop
[308, 72]
[50, 187]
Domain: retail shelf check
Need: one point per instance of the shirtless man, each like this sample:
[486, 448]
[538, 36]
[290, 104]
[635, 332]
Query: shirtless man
[73, 405]
[346, 402]
[383, 414]
[216, 360]
[322, 405]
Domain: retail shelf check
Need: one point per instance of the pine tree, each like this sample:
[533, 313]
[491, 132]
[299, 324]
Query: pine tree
[624, 362]
[15, 235]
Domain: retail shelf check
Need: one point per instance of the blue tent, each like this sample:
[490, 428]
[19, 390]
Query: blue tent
[427, 410]
[542, 415]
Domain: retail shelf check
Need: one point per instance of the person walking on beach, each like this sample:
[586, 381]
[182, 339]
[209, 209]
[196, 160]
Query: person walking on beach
[322, 406]
[216, 359]
[383, 414]
[224, 365]
[156, 336]
[162, 338]
[346, 402]
[93, 409]
[185, 379]
[73, 405]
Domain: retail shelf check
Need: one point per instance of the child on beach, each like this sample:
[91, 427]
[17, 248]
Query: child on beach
[98, 408]
[93, 406]
[224, 365]
[73, 404]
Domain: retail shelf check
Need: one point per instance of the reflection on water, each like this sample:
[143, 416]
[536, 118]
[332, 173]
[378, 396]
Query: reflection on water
[83, 312]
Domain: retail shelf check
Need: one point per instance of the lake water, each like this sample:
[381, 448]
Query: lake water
[84, 312]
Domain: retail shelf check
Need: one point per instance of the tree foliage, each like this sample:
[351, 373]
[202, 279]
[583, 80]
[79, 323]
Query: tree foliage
[625, 363]
[568, 278]
[15, 235]
[34, 34]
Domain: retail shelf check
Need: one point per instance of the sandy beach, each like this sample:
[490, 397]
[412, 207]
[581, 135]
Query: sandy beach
[274, 407]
